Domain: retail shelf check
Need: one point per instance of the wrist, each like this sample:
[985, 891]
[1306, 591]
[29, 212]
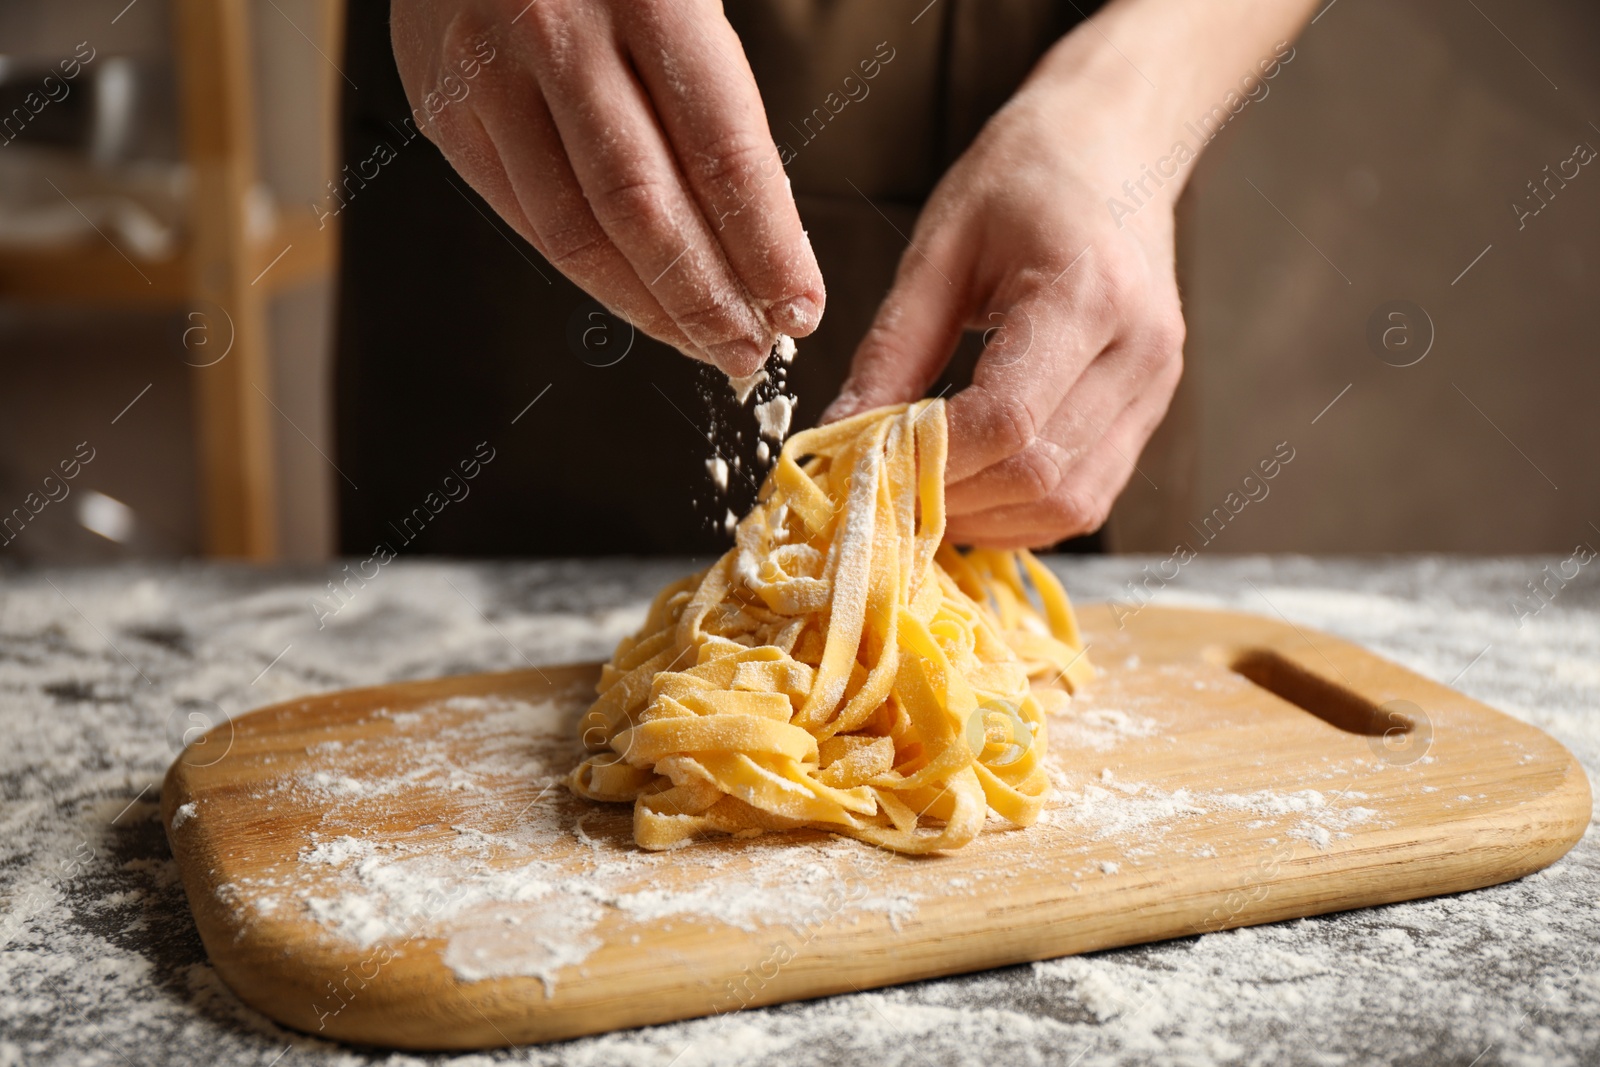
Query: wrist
[1139, 92]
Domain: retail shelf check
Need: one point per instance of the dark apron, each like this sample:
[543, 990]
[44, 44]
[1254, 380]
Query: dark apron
[450, 325]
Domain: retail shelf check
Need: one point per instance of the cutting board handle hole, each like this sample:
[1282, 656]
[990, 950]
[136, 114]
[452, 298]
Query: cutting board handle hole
[1326, 699]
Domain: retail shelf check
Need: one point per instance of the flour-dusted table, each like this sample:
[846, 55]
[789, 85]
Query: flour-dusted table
[102, 673]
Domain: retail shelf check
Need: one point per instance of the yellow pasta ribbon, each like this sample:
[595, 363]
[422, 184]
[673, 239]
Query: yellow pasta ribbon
[840, 668]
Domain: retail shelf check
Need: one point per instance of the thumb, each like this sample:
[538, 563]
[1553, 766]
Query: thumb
[911, 339]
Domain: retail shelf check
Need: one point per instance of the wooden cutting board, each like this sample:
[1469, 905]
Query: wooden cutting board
[400, 866]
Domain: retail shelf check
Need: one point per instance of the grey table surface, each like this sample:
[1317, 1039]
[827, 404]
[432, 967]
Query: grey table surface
[100, 962]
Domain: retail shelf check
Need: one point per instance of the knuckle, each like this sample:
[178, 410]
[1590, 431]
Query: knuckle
[1076, 511]
[1169, 332]
[732, 162]
[1154, 353]
[1119, 289]
[427, 52]
[1124, 293]
[1171, 372]
[465, 37]
[571, 247]
[703, 317]
[634, 201]
[1099, 302]
[547, 26]
[560, 39]
[1039, 469]
[1015, 428]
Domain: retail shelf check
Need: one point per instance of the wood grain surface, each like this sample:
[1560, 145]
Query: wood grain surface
[1224, 770]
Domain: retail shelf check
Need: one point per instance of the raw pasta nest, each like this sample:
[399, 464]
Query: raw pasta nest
[840, 668]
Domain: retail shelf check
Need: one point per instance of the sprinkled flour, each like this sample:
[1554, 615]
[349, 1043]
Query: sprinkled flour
[472, 878]
[718, 469]
[743, 387]
[729, 465]
[516, 877]
[102, 961]
[774, 416]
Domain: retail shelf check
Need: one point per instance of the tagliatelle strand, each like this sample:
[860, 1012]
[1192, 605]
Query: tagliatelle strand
[841, 667]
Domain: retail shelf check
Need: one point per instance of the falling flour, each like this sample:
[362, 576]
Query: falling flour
[774, 411]
[774, 416]
[717, 467]
[743, 387]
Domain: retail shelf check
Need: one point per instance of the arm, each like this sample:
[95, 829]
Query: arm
[1054, 233]
[626, 141]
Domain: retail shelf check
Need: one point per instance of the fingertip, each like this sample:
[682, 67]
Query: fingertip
[841, 408]
[798, 316]
[986, 536]
[738, 359]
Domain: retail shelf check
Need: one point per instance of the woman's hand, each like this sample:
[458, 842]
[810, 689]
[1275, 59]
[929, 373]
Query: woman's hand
[1078, 301]
[1084, 333]
[627, 142]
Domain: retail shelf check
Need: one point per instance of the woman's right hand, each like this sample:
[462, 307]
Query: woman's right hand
[628, 143]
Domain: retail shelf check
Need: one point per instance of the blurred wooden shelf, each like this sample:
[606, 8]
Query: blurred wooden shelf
[220, 263]
[89, 272]
[308, 252]
[298, 251]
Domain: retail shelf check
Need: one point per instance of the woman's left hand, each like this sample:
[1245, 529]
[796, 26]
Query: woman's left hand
[1083, 328]
[1053, 234]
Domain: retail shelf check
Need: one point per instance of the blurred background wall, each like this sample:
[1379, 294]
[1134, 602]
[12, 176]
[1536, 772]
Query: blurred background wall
[1382, 164]
[1377, 178]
